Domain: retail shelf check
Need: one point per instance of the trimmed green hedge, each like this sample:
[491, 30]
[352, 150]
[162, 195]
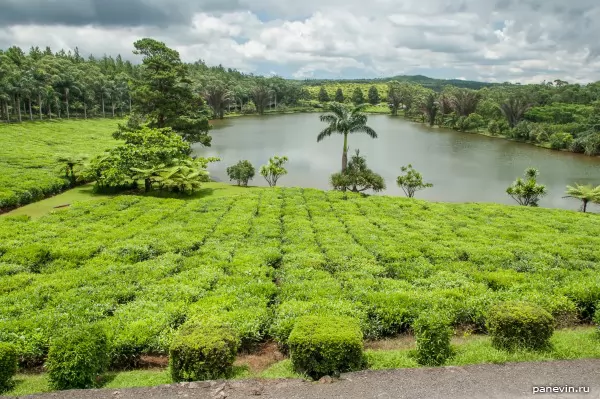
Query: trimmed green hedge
[8, 364]
[326, 345]
[514, 325]
[433, 333]
[77, 357]
[202, 352]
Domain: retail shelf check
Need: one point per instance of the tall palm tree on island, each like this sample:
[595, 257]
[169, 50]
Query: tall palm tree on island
[345, 120]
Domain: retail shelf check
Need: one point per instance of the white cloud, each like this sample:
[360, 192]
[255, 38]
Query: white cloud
[494, 40]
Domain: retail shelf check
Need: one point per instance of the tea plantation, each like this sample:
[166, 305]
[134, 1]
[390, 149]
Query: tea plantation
[28, 173]
[141, 267]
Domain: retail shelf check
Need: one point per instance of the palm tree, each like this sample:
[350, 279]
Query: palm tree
[430, 108]
[464, 101]
[514, 109]
[584, 193]
[345, 120]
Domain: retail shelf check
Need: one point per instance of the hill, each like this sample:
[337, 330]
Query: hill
[431, 83]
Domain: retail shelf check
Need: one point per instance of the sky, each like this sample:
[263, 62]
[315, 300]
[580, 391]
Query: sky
[526, 41]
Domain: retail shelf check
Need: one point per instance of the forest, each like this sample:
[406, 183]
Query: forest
[40, 84]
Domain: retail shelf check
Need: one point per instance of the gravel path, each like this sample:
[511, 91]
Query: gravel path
[516, 380]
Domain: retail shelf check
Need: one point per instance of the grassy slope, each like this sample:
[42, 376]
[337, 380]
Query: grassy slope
[581, 343]
[28, 152]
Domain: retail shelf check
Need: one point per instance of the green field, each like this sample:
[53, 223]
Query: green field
[29, 152]
[141, 266]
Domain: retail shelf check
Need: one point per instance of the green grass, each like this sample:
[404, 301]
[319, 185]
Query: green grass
[85, 193]
[28, 152]
[580, 343]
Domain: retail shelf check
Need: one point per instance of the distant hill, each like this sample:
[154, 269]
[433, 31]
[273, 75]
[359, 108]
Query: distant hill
[435, 84]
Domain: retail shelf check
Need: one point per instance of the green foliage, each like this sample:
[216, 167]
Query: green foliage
[274, 170]
[411, 181]
[345, 120]
[514, 325]
[496, 127]
[77, 357]
[584, 193]
[560, 141]
[357, 177]
[527, 192]
[559, 113]
[249, 108]
[514, 109]
[323, 95]
[374, 95]
[322, 346]
[597, 321]
[339, 95]
[358, 97]
[433, 334]
[163, 94]
[9, 360]
[242, 172]
[202, 352]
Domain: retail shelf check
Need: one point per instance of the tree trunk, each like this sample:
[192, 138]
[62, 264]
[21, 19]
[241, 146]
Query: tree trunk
[67, 101]
[19, 107]
[147, 185]
[50, 109]
[345, 154]
[130, 103]
[84, 110]
[30, 110]
[113, 109]
[584, 206]
[40, 104]
[103, 113]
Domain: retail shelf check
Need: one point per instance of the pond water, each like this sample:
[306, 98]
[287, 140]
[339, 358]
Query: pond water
[463, 167]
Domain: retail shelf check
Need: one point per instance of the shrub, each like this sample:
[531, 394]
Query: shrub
[77, 357]
[8, 364]
[241, 172]
[515, 325]
[325, 345]
[202, 352]
[559, 141]
[433, 333]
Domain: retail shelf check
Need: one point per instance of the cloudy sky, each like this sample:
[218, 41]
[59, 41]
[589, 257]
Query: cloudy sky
[490, 40]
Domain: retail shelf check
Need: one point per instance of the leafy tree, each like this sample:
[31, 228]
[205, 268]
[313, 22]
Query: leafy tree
[374, 96]
[584, 193]
[357, 177]
[430, 108]
[241, 172]
[345, 120]
[186, 175]
[323, 95]
[163, 93]
[464, 101]
[358, 97]
[72, 165]
[149, 176]
[273, 171]
[261, 95]
[514, 109]
[398, 93]
[218, 96]
[411, 181]
[559, 141]
[527, 192]
[339, 95]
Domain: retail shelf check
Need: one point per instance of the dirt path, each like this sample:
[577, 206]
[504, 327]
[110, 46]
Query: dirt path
[516, 380]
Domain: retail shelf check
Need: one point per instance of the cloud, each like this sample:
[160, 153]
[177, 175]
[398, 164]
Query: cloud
[495, 40]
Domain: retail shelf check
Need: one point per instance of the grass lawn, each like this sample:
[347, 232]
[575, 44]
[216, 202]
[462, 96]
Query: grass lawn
[28, 153]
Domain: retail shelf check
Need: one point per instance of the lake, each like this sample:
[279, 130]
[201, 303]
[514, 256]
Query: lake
[463, 167]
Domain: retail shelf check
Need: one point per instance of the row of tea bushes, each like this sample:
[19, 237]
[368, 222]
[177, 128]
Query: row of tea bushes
[143, 267]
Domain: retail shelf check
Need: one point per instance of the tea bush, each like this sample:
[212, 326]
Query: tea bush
[142, 267]
[326, 345]
[202, 352]
[77, 357]
[8, 364]
[433, 334]
[514, 325]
